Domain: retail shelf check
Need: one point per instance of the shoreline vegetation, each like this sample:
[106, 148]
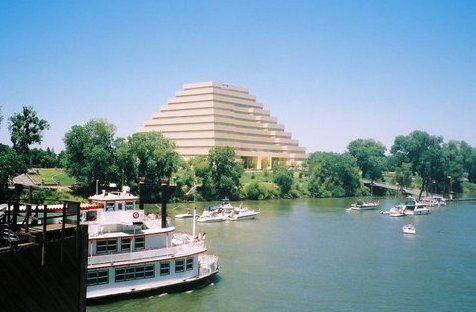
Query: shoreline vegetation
[95, 157]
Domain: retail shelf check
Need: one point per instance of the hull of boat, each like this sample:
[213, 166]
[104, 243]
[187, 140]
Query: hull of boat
[183, 216]
[247, 217]
[182, 286]
[421, 212]
[211, 220]
[364, 208]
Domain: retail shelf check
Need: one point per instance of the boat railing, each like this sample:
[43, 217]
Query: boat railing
[189, 248]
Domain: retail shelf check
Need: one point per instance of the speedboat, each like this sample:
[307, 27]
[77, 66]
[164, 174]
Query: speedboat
[184, 215]
[362, 205]
[421, 210]
[212, 216]
[397, 211]
[242, 214]
[408, 229]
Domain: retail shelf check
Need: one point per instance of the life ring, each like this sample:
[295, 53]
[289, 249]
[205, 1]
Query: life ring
[135, 215]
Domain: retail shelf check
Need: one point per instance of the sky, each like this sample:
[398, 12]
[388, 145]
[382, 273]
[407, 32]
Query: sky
[330, 71]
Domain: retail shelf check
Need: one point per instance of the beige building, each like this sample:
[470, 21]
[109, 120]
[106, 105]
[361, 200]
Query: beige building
[207, 114]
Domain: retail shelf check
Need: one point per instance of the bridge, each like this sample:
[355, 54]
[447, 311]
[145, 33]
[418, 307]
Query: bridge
[389, 186]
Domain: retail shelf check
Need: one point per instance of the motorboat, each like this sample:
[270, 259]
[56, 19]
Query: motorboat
[420, 209]
[130, 252]
[242, 214]
[397, 211]
[408, 229]
[363, 205]
[213, 216]
[184, 215]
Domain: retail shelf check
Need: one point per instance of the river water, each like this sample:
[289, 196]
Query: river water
[313, 254]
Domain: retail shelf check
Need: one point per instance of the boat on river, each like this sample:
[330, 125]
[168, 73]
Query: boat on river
[212, 216]
[419, 209]
[408, 229]
[130, 252]
[363, 205]
[242, 214]
[397, 211]
[184, 215]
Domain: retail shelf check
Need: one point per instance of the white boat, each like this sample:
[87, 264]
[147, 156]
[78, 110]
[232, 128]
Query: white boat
[408, 229]
[420, 209]
[362, 205]
[212, 216]
[184, 216]
[397, 211]
[242, 214]
[130, 253]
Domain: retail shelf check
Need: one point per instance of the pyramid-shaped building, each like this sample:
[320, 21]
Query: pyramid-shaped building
[208, 114]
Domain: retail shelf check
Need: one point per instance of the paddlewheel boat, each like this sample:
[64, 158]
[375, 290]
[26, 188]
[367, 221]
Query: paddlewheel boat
[129, 252]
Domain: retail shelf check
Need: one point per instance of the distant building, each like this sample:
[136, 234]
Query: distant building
[208, 114]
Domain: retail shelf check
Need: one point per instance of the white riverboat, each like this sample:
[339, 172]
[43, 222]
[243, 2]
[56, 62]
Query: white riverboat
[129, 253]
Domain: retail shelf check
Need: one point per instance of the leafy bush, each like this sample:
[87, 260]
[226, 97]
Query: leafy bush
[258, 191]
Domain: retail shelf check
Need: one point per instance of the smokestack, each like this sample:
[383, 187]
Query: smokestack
[164, 184]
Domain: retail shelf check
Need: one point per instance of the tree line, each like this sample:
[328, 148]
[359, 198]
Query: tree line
[94, 154]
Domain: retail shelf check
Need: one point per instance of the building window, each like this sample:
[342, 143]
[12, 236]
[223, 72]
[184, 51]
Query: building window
[98, 277]
[134, 273]
[125, 244]
[140, 242]
[109, 206]
[165, 268]
[179, 265]
[103, 246]
[129, 205]
[189, 264]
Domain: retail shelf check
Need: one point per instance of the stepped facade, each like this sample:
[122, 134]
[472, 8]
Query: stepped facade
[208, 114]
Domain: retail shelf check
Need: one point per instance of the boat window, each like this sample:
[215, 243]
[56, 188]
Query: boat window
[135, 272]
[125, 244]
[165, 268]
[103, 246]
[140, 242]
[179, 265]
[109, 206]
[98, 277]
[189, 264]
[129, 205]
[119, 206]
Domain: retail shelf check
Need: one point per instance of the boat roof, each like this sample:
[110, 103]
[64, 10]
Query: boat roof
[113, 196]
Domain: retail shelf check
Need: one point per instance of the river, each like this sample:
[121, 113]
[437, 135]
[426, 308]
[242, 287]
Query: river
[314, 255]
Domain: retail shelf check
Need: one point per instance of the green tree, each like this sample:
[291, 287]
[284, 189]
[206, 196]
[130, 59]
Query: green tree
[333, 175]
[40, 158]
[11, 164]
[125, 161]
[424, 152]
[225, 173]
[283, 177]
[370, 156]
[89, 154]
[403, 175]
[154, 155]
[26, 128]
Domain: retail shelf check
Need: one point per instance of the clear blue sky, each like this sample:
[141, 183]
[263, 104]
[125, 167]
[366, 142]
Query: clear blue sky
[330, 71]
